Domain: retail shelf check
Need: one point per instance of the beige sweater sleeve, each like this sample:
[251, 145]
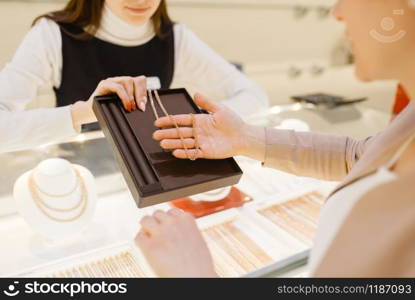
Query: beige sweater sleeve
[317, 155]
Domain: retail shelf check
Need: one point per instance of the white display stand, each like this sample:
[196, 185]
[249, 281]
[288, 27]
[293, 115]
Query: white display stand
[56, 177]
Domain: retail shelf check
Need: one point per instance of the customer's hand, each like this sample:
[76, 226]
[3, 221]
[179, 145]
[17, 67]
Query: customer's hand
[219, 134]
[131, 90]
[174, 246]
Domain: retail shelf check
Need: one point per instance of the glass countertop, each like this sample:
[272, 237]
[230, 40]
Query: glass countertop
[116, 217]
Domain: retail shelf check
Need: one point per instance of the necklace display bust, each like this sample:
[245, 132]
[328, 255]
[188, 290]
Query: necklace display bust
[57, 199]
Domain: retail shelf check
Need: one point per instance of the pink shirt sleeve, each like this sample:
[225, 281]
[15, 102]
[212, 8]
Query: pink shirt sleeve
[322, 156]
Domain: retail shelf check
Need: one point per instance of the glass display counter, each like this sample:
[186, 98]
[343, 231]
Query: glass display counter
[268, 236]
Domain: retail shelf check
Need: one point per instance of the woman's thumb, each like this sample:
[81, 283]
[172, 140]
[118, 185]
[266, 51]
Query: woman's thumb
[205, 103]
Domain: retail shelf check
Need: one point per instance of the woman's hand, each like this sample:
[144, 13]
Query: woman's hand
[131, 90]
[220, 134]
[174, 246]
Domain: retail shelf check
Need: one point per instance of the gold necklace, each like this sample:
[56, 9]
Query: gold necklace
[60, 195]
[40, 203]
[173, 121]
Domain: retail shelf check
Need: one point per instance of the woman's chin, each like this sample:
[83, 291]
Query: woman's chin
[135, 21]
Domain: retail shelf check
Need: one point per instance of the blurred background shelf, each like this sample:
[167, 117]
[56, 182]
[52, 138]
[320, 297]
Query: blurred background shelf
[286, 46]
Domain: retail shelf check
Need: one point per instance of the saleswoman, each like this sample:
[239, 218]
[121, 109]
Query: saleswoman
[73, 49]
[367, 226]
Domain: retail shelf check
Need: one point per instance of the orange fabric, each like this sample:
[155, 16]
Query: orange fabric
[401, 100]
[236, 198]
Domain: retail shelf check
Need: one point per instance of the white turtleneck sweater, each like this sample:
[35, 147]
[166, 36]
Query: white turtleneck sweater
[38, 63]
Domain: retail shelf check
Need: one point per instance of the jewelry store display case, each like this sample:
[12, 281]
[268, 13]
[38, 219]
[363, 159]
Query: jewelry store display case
[268, 236]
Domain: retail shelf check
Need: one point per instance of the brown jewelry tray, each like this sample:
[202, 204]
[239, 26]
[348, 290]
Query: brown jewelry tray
[153, 174]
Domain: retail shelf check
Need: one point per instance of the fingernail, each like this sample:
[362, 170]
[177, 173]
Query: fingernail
[144, 99]
[142, 106]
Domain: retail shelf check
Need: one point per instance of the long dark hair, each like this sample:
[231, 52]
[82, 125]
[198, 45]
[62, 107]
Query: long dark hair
[88, 13]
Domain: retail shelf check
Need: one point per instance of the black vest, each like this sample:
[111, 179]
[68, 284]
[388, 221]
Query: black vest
[87, 62]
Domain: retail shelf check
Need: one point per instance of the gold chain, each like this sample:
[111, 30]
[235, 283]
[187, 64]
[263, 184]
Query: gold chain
[40, 203]
[54, 195]
[197, 146]
[173, 121]
[33, 187]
